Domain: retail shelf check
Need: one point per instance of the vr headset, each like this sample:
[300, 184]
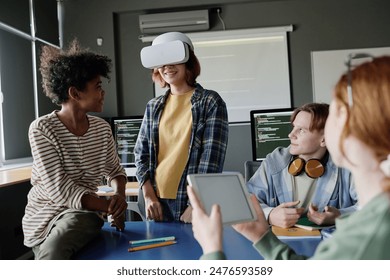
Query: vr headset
[167, 49]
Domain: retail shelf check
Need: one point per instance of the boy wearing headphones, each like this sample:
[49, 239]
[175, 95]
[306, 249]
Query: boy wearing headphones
[302, 179]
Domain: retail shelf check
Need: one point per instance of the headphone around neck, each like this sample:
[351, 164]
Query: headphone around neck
[313, 167]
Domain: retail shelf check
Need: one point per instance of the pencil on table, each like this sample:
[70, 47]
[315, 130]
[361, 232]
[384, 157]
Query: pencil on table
[150, 246]
[152, 240]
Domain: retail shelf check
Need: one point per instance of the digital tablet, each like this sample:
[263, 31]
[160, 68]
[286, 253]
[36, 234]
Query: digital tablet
[226, 189]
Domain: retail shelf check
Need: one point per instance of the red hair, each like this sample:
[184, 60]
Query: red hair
[192, 72]
[369, 116]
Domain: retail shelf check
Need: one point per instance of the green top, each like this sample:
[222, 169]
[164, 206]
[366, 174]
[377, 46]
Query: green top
[362, 235]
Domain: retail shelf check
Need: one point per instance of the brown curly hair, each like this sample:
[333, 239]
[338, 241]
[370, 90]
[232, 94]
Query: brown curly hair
[61, 69]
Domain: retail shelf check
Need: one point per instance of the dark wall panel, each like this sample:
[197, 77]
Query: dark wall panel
[319, 25]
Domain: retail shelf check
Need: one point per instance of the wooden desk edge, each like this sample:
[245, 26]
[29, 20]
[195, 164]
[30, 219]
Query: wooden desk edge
[15, 176]
[131, 190]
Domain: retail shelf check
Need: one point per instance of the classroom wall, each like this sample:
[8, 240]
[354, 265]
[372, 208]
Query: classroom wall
[318, 25]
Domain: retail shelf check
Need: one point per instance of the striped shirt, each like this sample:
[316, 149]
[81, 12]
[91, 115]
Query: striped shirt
[65, 167]
[208, 142]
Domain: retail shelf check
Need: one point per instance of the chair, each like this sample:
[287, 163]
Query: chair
[133, 206]
[250, 168]
[138, 206]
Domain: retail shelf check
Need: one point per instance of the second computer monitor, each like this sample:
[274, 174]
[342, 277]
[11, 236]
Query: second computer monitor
[269, 130]
[125, 131]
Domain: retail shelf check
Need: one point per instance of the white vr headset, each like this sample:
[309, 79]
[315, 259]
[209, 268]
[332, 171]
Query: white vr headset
[167, 49]
[170, 53]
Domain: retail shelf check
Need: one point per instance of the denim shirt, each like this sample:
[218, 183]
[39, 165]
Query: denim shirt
[273, 185]
[208, 142]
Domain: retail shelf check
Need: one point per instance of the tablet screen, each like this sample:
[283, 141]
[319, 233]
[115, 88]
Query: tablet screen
[227, 190]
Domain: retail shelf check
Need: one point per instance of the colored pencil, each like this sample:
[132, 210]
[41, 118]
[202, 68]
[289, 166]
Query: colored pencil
[150, 246]
[152, 240]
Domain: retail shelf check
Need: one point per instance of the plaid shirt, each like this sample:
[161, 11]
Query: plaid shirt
[208, 143]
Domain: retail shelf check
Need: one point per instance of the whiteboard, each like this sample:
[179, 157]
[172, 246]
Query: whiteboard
[249, 68]
[328, 66]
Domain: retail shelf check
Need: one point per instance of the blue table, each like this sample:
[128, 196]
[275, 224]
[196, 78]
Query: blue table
[113, 245]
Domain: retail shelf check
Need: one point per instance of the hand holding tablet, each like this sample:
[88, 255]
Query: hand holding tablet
[226, 189]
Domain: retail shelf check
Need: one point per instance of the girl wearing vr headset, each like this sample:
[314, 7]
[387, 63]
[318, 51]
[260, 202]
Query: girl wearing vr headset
[302, 179]
[357, 135]
[184, 131]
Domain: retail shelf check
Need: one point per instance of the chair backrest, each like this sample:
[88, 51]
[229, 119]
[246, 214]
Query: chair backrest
[137, 206]
[133, 206]
[141, 204]
[250, 168]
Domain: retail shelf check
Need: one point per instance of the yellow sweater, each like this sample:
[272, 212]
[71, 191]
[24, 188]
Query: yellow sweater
[174, 141]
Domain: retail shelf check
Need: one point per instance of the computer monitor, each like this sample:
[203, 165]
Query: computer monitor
[269, 130]
[125, 131]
